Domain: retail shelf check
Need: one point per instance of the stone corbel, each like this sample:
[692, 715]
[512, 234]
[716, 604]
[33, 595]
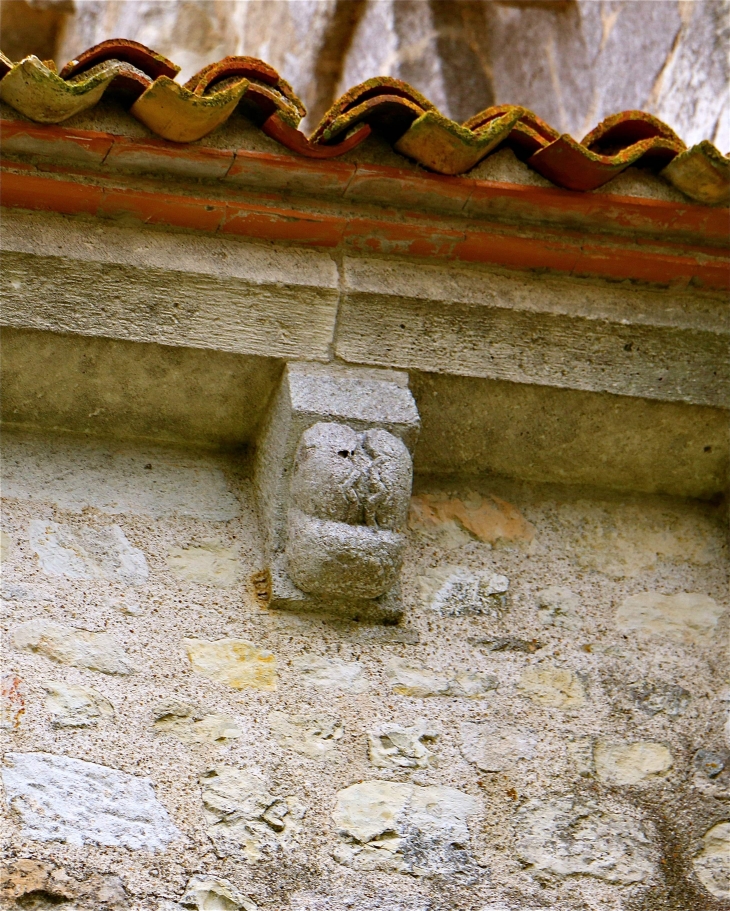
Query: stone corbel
[333, 475]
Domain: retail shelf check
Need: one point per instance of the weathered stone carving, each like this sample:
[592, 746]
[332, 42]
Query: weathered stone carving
[349, 495]
[334, 476]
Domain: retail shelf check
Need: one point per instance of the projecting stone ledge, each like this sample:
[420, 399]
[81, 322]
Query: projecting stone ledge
[333, 477]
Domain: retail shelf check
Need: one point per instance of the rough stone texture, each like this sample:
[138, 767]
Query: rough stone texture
[712, 863]
[205, 893]
[210, 563]
[601, 547]
[496, 749]
[686, 617]
[68, 645]
[557, 687]
[12, 703]
[331, 673]
[405, 828]
[455, 590]
[565, 837]
[239, 808]
[27, 883]
[88, 553]
[116, 479]
[311, 736]
[190, 726]
[559, 606]
[631, 763]
[392, 746]
[235, 662]
[454, 521]
[349, 495]
[63, 799]
[76, 706]
[669, 698]
[410, 679]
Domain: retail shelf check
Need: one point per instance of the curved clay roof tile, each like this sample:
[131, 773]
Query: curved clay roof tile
[405, 117]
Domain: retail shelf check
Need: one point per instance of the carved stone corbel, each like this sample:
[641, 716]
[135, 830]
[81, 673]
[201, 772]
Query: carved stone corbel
[333, 477]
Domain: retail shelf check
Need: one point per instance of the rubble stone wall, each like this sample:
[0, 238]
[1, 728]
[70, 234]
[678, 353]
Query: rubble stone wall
[547, 727]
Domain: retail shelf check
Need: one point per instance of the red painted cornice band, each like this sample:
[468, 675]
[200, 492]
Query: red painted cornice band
[362, 207]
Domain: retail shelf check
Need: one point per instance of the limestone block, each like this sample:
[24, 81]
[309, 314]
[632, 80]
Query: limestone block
[409, 678]
[235, 662]
[239, 808]
[76, 706]
[210, 563]
[206, 893]
[496, 749]
[712, 863]
[75, 802]
[189, 726]
[405, 828]
[455, 590]
[68, 645]
[313, 736]
[26, 876]
[99, 553]
[631, 763]
[472, 685]
[569, 836]
[333, 477]
[557, 687]
[392, 746]
[686, 617]
[331, 673]
[559, 606]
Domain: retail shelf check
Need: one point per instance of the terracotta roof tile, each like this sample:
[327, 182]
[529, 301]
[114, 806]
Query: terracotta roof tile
[144, 81]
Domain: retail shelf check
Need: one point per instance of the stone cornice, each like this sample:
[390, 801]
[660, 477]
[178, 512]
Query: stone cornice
[364, 207]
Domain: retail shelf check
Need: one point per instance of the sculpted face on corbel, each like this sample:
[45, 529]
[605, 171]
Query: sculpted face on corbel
[333, 477]
[348, 508]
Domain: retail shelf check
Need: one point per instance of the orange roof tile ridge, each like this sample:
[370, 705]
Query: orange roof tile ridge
[145, 81]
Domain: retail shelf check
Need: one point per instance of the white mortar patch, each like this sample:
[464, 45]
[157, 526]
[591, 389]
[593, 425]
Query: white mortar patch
[68, 800]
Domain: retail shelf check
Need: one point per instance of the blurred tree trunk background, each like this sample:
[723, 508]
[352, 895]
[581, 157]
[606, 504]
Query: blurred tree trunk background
[571, 61]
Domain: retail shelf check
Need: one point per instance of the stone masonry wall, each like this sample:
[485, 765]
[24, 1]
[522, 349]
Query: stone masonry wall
[546, 729]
